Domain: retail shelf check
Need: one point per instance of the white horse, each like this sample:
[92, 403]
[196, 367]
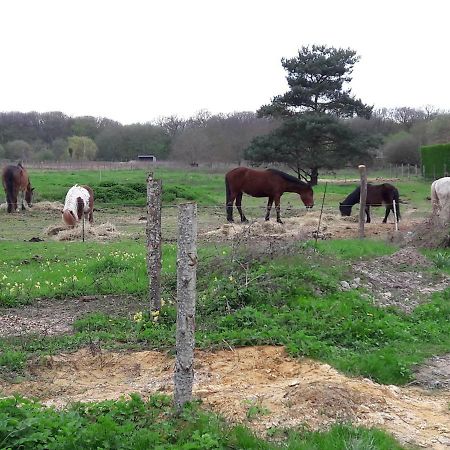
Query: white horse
[79, 202]
[440, 198]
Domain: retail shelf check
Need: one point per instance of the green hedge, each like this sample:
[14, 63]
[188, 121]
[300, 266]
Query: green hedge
[435, 160]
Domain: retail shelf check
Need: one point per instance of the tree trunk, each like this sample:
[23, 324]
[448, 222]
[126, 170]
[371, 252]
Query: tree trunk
[314, 176]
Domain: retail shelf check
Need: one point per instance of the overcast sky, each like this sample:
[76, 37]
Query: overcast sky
[135, 60]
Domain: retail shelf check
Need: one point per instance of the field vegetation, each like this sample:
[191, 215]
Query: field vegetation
[292, 298]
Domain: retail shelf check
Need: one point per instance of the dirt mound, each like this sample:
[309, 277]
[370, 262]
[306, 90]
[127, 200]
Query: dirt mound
[435, 373]
[291, 392]
[430, 233]
[102, 232]
[401, 279]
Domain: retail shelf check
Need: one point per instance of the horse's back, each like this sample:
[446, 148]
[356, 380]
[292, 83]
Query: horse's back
[441, 189]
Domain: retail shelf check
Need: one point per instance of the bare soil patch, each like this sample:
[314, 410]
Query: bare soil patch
[291, 391]
[56, 316]
[402, 280]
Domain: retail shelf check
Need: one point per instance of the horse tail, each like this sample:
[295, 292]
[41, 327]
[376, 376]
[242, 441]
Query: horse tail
[397, 203]
[8, 182]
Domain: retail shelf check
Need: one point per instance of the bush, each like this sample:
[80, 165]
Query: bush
[435, 160]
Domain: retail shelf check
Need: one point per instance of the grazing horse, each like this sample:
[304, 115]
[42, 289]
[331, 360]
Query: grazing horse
[377, 195]
[79, 202]
[263, 183]
[440, 198]
[15, 179]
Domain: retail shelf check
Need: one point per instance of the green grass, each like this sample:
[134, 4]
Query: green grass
[293, 301]
[55, 269]
[144, 424]
[128, 187]
[354, 249]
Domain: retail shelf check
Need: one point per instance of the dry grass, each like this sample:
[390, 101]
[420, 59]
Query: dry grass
[101, 232]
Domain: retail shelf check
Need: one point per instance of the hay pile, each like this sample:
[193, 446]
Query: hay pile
[103, 232]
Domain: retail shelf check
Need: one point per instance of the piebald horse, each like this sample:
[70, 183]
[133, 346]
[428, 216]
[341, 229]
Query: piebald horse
[79, 202]
[15, 180]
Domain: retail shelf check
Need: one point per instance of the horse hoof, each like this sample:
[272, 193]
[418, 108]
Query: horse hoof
[244, 221]
[280, 221]
[230, 220]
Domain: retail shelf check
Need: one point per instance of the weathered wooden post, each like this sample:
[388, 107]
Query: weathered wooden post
[395, 214]
[186, 297]
[362, 199]
[154, 241]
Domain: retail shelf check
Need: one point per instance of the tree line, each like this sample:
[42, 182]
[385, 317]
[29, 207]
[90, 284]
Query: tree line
[316, 124]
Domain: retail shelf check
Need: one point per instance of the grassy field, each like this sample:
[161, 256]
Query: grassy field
[294, 300]
[127, 187]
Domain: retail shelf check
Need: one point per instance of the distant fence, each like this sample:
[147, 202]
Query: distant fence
[388, 170]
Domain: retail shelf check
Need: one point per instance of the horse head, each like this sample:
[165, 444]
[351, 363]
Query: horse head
[307, 196]
[69, 218]
[29, 195]
[345, 210]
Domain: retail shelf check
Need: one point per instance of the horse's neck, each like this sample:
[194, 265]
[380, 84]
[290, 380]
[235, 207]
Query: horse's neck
[352, 198]
[294, 187]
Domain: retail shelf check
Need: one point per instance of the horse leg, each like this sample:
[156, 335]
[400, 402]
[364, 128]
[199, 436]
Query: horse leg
[91, 216]
[269, 207]
[388, 210]
[230, 201]
[22, 199]
[9, 203]
[368, 213]
[277, 208]
[239, 208]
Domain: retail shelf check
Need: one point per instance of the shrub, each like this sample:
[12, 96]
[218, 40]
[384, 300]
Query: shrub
[435, 160]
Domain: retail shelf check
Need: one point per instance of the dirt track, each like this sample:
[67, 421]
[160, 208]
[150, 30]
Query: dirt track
[290, 391]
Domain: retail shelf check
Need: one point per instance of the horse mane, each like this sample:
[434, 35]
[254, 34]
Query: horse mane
[353, 197]
[288, 177]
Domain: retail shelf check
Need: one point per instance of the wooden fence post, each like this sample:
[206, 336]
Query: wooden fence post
[154, 241]
[362, 199]
[186, 297]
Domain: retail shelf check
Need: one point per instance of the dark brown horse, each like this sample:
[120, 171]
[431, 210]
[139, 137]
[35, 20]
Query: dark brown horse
[15, 179]
[377, 195]
[263, 183]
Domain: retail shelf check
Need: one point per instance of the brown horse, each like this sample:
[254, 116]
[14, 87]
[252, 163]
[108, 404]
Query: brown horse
[263, 183]
[377, 195]
[15, 179]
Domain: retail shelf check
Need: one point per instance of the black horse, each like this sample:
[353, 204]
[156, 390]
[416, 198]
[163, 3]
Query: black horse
[377, 195]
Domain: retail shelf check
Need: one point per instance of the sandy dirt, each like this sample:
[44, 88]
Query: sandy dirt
[289, 391]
